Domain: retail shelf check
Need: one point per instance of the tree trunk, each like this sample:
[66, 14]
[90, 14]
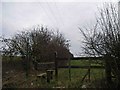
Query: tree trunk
[108, 69]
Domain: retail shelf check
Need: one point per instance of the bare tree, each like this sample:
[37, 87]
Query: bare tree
[36, 45]
[105, 40]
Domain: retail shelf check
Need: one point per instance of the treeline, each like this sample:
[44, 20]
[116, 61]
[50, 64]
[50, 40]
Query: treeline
[39, 44]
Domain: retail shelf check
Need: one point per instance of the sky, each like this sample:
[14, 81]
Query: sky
[65, 16]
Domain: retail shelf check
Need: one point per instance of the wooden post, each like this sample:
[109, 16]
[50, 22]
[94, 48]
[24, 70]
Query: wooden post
[56, 67]
[89, 74]
[27, 58]
[108, 69]
[49, 75]
[69, 68]
[89, 70]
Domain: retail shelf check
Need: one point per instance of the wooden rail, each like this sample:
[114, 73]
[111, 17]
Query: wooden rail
[83, 67]
[81, 58]
[87, 58]
[46, 63]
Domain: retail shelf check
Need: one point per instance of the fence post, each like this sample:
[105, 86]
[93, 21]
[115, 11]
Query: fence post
[56, 67]
[108, 69]
[89, 74]
[89, 69]
[69, 68]
[27, 58]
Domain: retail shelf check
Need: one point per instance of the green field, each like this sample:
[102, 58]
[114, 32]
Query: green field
[63, 77]
[86, 62]
[76, 76]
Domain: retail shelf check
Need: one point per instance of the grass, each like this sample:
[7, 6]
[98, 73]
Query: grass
[77, 75]
[79, 62]
[86, 62]
[63, 77]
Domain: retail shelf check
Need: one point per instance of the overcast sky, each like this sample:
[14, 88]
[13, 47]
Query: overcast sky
[65, 16]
